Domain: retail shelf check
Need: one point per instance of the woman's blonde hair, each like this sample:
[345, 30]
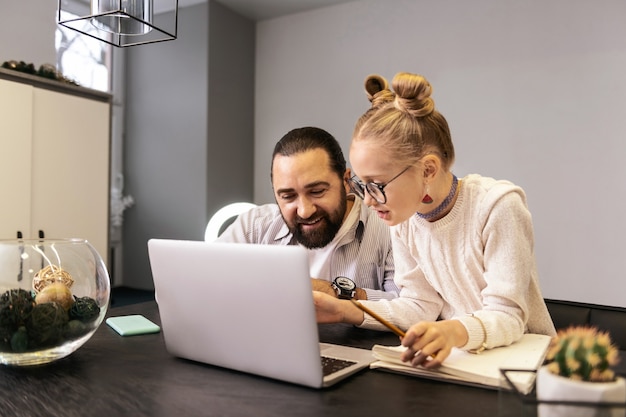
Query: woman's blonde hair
[404, 120]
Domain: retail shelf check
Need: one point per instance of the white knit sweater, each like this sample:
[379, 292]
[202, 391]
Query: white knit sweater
[478, 259]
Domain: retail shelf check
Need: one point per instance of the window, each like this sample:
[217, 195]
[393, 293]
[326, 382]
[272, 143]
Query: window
[81, 58]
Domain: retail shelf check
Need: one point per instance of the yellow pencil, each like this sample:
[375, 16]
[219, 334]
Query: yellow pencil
[390, 326]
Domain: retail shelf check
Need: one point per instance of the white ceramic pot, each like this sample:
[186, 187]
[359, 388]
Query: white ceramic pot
[551, 387]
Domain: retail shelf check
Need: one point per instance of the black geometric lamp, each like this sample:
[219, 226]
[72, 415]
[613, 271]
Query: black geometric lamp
[124, 23]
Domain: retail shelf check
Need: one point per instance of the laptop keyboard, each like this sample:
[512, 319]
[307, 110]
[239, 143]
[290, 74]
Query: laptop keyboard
[331, 365]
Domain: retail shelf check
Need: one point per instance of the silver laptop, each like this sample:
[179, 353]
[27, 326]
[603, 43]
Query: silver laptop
[245, 307]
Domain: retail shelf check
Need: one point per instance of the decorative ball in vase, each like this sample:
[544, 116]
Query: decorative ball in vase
[578, 372]
[54, 294]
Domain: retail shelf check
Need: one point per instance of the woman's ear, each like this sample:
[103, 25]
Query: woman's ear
[431, 164]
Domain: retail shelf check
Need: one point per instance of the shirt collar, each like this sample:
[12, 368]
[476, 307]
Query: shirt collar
[284, 235]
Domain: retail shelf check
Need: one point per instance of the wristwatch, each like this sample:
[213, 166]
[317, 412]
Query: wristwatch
[345, 288]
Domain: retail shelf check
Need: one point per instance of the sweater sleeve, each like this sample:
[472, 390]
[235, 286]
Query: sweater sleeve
[509, 270]
[418, 301]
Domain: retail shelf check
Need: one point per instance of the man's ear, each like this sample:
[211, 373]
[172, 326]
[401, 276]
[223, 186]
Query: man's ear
[346, 180]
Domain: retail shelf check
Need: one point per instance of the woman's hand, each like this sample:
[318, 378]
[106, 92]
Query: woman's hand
[330, 309]
[430, 343]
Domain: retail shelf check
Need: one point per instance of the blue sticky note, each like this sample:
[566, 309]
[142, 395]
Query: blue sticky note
[132, 325]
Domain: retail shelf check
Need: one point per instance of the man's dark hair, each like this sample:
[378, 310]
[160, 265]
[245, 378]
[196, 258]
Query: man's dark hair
[308, 138]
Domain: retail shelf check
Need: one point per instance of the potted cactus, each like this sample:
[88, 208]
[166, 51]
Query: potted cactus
[578, 369]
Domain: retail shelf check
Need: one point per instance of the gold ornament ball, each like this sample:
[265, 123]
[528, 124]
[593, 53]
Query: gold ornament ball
[56, 292]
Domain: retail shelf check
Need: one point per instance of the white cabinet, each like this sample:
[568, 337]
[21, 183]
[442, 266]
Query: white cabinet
[16, 103]
[54, 161]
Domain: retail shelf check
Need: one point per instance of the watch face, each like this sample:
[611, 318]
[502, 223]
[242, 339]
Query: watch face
[345, 283]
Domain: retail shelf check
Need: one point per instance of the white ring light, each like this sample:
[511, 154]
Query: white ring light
[221, 216]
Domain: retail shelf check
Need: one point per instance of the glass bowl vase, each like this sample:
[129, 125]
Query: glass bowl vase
[54, 293]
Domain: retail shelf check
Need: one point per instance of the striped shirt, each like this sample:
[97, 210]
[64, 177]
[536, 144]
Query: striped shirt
[362, 254]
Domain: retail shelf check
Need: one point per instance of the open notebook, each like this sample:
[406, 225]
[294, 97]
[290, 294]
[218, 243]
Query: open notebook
[245, 307]
[483, 370]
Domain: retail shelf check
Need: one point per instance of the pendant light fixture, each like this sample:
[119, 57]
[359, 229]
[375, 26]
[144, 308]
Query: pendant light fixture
[124, 23]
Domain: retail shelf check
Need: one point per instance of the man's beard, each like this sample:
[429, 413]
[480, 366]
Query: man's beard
[329, 225]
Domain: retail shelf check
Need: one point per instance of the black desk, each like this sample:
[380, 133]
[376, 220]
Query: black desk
[113, 376]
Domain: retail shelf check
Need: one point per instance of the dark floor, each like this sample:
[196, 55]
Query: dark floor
[121, 296]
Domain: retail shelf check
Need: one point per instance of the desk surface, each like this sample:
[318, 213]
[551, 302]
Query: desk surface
[113, 376]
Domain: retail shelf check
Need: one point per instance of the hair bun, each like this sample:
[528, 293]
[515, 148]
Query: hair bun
[378, 92]
[375, 84]
[413, 93]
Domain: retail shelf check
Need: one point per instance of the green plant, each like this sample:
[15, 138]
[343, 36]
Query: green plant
[583, 353]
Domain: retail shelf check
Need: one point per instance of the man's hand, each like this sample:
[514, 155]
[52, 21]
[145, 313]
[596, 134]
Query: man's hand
[323, 286]
[333, 310]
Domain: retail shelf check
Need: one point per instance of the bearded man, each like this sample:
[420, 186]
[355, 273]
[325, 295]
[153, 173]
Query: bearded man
[349, 247]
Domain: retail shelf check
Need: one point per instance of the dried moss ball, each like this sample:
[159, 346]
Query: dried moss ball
[46, 324]
[15, 307]
[84, 309]
[56, 293]
[18, 303]
[75, 328]
[19, 340]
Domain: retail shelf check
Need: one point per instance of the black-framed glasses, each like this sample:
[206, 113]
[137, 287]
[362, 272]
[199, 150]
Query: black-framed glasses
[376, 191]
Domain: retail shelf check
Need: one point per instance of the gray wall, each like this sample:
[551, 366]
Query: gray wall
[534, 92]
[27, 30]
[189, 130]
[230, 158]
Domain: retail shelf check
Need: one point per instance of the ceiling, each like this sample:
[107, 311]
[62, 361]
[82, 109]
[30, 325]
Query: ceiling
[267, 9]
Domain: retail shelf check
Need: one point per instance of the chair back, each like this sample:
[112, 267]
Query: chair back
[224, 217]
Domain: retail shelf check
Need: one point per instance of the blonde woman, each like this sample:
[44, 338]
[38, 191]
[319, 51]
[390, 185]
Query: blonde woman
[463, 247]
